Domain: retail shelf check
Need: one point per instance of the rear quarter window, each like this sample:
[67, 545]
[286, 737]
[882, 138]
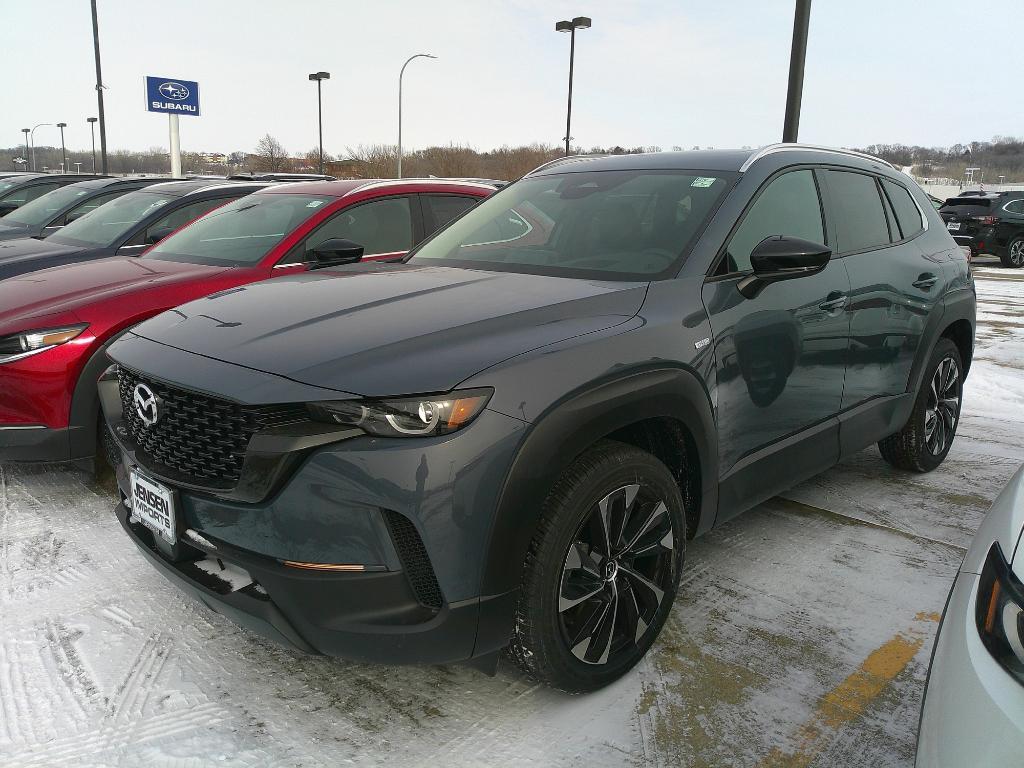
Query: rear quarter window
[861, 222]
[907, 213]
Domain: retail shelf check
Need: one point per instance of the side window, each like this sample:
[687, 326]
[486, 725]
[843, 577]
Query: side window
[1015, 206]
[380, 226]
[860, 217]
[907, 213]
[441, 209]
[788, 206]
[91, 205]
[187, 213]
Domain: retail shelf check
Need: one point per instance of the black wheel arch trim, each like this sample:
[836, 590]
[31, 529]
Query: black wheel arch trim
[83, 419]
[956, 305]
[574, 424]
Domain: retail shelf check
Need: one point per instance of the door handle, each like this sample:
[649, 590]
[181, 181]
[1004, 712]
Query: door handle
[925, 281]
[834, 302]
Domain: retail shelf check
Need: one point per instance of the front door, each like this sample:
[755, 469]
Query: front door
[780, 357]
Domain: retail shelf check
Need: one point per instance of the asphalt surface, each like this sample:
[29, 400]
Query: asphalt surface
[801, 638]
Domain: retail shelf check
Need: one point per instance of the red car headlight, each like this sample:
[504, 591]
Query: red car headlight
[22, 345]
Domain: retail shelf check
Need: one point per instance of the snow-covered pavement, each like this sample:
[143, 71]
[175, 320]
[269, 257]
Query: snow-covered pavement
[802, 635]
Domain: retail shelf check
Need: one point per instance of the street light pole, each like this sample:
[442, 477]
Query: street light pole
[92, 126]
[33, 144]
[99, 87]
[400, 75]
[27, 151]
[63, 151]
[797, 58]
[580, 22]
[320, 77]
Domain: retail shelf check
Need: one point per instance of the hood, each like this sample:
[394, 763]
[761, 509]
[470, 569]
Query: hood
[385, 329]
[72, 287]
[19, 256]
[10, 230]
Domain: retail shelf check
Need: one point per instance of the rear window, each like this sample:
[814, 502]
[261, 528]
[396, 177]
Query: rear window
[967, 202]
[861, 219]
[907, 213]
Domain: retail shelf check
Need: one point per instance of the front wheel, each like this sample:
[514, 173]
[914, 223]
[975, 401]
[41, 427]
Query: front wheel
[602, 570]
[1013, 257]
[928, 435]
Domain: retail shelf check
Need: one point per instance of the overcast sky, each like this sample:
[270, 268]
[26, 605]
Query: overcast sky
[674, 72]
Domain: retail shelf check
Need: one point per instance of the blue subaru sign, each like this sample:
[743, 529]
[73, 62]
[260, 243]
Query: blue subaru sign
[177, 97]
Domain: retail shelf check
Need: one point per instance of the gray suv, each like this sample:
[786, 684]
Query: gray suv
[507, 440]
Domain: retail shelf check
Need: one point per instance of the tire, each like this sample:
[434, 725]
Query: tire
[583, 619]
[1013, 256]
[924, 441]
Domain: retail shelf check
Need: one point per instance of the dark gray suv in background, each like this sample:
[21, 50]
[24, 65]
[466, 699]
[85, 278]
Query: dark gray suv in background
[507, 440]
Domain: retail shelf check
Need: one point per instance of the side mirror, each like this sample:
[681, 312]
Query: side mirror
[782, 258]
[6, 208]
[336, 251]
[156, 235]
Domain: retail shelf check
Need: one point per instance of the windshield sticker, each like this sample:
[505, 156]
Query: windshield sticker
[314, 203]
[703, 181]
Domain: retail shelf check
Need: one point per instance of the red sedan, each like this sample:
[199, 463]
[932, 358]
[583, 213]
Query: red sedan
[56, 324]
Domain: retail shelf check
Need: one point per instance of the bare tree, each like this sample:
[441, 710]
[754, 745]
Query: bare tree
[271, 156]
[379, 161]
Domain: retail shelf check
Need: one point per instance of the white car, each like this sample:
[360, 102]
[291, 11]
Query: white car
[973, 709]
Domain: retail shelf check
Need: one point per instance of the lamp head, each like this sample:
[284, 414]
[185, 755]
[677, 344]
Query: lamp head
[581, 22]
[91, 119]
[62, 125]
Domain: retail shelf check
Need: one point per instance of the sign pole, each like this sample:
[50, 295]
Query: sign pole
[172, 120]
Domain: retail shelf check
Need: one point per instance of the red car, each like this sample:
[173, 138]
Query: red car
[56, 324]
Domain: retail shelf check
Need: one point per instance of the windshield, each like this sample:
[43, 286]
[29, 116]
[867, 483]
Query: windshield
[240, 233]
[108, 223]
[609, 225]
[38, 212]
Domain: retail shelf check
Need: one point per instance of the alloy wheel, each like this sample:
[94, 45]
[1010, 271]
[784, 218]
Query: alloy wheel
[1017, 253]
[614, 578]
[943, 408]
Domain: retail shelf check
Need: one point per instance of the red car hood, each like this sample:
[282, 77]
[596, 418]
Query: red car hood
[64, 290]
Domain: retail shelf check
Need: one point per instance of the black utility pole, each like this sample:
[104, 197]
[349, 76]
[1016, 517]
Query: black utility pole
[63, 151]
[580, 22]
[99, 87]
[797, 57]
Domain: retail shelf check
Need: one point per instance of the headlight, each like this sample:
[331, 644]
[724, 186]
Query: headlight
[32, 342]
[999, 613]
[406, 417]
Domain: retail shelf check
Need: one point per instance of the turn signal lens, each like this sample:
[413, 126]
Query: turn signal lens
[412, 417]
[28, 343]
[999, 613]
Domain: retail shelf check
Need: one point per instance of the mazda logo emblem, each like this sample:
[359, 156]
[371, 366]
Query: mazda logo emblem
[147, 405]
[174, 91]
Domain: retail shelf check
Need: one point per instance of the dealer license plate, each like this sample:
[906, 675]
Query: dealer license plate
[953, 226]
[153, 504]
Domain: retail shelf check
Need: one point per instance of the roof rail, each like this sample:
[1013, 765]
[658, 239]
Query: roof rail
[773, 148]
[566, 159]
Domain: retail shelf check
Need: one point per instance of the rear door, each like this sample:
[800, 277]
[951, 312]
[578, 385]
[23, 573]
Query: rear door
[895, 285]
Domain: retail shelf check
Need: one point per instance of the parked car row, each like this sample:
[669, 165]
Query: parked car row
[988, 222]
[427, 421]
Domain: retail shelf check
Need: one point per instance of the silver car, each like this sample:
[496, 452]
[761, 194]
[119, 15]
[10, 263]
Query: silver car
[973, 709]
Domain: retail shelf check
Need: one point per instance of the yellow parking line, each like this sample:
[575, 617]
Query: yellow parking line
[848, 700]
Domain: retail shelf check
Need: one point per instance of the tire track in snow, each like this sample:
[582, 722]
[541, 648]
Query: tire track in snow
[80, 687]
[133, 693]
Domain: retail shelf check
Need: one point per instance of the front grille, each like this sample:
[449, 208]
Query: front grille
[414, 559]
[198, 439]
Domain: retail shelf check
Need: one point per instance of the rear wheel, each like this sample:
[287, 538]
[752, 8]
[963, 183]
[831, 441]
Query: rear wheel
[927, 436]
[1013, 257]
[602, 571]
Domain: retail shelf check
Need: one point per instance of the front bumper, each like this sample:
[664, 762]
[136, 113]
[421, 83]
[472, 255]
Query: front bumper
[973, 712]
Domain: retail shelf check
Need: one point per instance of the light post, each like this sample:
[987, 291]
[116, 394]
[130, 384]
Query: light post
[797, 57]
[319, 77]
[63, 151]
[78, 167]
[99, 86]
[92, 126]
[580, 22]
[28, 153]
[32, 135]
[400, 75]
